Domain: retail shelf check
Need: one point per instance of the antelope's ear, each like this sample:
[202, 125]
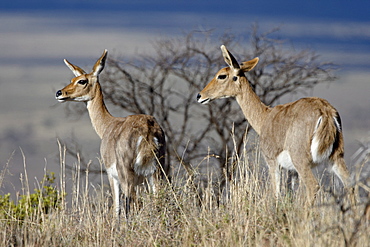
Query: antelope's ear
[99, 65]
[229, 58]
[77, 71]
[249, 65]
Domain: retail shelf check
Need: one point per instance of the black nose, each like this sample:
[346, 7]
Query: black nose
[198, 96]
[58, 93]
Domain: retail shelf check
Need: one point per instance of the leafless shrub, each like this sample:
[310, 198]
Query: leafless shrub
[166, 83]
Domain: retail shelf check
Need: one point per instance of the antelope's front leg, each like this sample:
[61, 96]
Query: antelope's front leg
[306, 176]
[115, 188]
[275, 176]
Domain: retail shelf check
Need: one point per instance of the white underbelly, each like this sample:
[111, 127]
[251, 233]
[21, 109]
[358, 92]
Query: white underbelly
[285, 160]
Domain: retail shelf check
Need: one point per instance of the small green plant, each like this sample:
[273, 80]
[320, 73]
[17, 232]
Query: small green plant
[41, 202]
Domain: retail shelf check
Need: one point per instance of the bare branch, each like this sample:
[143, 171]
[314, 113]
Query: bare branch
[165, 85]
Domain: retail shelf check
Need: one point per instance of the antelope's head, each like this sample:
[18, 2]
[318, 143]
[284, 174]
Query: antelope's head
[227, 81]
[82, 86]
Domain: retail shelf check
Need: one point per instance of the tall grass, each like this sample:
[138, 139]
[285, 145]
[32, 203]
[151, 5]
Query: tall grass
[245, 213]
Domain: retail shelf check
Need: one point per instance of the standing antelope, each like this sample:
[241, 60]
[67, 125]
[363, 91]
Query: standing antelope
[296, 136]
[132, 148]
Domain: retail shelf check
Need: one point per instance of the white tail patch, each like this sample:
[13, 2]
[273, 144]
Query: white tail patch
[339, 128]
[155, 139]
[139, 154]
[316, 157]
[139, 167]
[318, 124]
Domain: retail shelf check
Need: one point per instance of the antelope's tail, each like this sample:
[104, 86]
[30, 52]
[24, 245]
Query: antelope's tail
[327, 137]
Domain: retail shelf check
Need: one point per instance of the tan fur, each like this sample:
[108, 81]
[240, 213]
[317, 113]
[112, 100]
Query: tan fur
[290, 127]
[134, 144]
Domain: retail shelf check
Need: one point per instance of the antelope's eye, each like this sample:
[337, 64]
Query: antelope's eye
[82, 82]
[221, 77]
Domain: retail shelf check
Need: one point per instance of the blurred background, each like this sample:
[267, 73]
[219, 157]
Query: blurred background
[35, 37]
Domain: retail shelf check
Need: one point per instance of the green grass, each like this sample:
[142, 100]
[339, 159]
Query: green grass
[185, 214]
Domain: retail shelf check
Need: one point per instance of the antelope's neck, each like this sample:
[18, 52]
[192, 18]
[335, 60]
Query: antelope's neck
[99, 114]
[254, 110]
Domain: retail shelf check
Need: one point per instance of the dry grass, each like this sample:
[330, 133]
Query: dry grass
[248, 215]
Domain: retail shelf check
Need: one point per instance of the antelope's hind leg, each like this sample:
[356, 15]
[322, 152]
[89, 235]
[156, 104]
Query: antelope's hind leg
[307, 177]
[340, 170]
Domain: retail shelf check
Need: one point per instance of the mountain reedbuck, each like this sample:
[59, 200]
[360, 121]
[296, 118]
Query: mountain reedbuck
[132, 147]
[297, 136]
